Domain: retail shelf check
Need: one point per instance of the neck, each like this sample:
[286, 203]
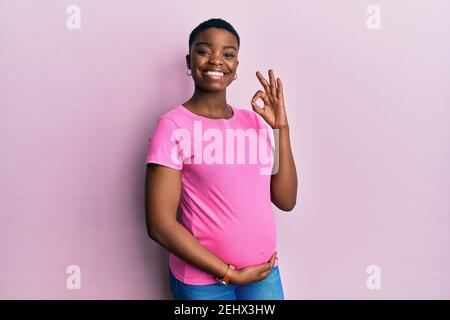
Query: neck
[210, 102]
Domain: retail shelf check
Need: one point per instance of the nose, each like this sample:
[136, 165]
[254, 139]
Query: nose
[215, 58]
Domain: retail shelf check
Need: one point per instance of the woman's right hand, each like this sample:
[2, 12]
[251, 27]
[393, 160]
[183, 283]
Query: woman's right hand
[252, 273]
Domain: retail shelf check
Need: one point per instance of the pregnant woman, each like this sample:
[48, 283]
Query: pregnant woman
[215, 166]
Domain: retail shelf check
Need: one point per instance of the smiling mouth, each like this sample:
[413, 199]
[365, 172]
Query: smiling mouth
[216, 75]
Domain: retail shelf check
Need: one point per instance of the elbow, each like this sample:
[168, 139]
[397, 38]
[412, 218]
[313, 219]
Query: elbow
[151, 227]
[283, 202]
[286, 206]
[289, 205]
[158, 229]
[154, 236]
[151, 231]
[159, 233]
[151, 235]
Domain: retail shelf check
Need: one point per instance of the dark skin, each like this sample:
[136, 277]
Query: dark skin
[213, 48]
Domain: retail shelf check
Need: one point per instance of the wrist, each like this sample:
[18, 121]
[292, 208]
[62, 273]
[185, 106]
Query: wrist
[225, 279]
[281, 126]
[221, 275]
[233, 275]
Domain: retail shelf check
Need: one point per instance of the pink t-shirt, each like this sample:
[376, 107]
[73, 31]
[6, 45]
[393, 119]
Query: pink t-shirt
[225, 201]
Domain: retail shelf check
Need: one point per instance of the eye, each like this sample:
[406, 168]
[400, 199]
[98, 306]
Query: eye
[230, 55]
[202, 51]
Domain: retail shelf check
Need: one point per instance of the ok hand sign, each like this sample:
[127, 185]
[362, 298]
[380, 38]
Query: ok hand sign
[273, 111]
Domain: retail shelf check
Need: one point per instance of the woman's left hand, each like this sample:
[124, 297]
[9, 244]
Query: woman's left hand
[273, 112]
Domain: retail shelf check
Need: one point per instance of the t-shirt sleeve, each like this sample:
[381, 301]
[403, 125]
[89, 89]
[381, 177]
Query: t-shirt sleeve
[163, 145]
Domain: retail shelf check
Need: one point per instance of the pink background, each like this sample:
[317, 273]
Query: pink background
[370, 129]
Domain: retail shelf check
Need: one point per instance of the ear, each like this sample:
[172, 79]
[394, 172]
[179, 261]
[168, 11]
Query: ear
[188, 62]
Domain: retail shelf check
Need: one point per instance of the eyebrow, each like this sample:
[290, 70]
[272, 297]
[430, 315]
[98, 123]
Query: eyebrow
[209, 45]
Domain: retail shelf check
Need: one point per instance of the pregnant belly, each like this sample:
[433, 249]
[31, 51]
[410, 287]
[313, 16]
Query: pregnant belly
[243, 244]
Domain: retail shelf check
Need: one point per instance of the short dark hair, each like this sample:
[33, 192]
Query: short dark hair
[212, 23]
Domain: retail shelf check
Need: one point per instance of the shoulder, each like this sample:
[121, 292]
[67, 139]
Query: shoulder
[252, 117]
[175, 117]
[243, 112]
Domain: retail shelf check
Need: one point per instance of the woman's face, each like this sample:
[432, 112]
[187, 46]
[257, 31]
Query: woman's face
[213, 49]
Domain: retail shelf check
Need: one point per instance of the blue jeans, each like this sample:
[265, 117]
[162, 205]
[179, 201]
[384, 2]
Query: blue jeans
[269, 288]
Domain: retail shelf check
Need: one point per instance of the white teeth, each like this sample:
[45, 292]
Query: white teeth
[214, 73]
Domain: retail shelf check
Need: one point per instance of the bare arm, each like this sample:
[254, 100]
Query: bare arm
[283, 184]
[162, 196]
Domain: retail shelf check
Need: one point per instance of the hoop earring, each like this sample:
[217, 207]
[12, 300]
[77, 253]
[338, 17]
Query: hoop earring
[189, 74]
[235, 77]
